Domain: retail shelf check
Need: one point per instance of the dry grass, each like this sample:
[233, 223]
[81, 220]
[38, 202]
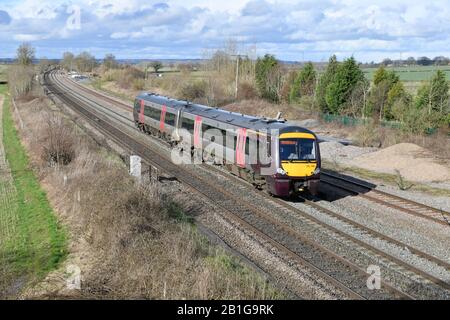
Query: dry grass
[130, 241]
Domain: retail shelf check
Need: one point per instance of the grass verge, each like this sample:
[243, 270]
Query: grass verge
[38, 244]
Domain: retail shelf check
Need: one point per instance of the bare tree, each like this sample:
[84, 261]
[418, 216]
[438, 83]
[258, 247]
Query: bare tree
[85, 62]
[25, 54]
[110, 61]
[68, 60]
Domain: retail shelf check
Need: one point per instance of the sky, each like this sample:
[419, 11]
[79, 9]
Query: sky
[291, 30]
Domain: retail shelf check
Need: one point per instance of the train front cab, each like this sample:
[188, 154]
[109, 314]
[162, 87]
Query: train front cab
[298, 158]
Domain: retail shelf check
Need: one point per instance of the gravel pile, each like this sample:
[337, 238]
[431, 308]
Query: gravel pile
[414, 163]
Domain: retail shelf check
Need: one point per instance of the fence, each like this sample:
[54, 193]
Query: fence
[351, 121]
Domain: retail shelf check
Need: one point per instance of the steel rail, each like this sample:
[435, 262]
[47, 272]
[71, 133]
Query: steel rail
[400, 204]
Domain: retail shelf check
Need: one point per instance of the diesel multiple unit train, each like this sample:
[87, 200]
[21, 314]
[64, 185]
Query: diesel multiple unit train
[286, 160]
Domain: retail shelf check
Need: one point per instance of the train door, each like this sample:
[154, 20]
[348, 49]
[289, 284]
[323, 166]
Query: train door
[178, 124]
[240, 147]
[141, 113]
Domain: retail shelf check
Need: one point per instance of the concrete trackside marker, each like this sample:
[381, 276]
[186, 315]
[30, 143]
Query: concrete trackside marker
[136, 167]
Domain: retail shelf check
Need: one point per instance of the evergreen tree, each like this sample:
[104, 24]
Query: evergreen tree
[348, 75]
[386, 90]
[304, 83]
[324, 81]
[434, 95]
[268, 77]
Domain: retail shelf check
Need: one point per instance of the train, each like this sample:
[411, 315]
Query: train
[272, 154]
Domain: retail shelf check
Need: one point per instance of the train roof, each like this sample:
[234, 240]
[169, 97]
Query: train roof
[233, 118]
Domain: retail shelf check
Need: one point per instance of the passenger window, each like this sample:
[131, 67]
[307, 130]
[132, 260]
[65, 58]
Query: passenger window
[170, 119]
[188, 124]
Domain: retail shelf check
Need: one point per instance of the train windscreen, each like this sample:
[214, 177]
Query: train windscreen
[297, 149]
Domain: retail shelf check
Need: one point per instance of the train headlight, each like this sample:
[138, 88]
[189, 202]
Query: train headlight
[281, 171]
[317, 171]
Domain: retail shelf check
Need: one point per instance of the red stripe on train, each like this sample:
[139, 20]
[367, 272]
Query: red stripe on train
[197, 131]
[163, 118]
[240, 147]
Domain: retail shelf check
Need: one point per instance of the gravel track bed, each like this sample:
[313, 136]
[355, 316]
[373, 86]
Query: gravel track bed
[437, 202]
[309, 230]
[362, 257]
[426, 236]
[295, 278]
[401, 253]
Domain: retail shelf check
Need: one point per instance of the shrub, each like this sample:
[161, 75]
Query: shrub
[247, 91]
[110, 75]
[128, 75]
[59, 146]
[367, 135]
[288, 81]
[138, 84]
[194, 90]
[401, 182]
[20, 79]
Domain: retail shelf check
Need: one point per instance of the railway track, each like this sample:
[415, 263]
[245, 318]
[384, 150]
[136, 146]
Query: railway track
[336, 270]
[360, 228]
[392, 201]
[245, 214]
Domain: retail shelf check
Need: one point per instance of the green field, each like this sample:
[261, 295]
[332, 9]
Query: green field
[36, 243]
[414, 73]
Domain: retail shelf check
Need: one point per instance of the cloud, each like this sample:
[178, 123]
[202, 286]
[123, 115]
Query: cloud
[290, 29]
[4, 18]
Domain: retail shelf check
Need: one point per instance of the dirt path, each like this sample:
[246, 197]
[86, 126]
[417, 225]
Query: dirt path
[8, 203]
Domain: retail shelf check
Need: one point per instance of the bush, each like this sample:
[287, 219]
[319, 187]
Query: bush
[193, 91]
[59, 146]
[367, 135]
[20, 79]
[288, 81]
[110, 75]
[247, 91]
[138, 84]
[127, 77]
